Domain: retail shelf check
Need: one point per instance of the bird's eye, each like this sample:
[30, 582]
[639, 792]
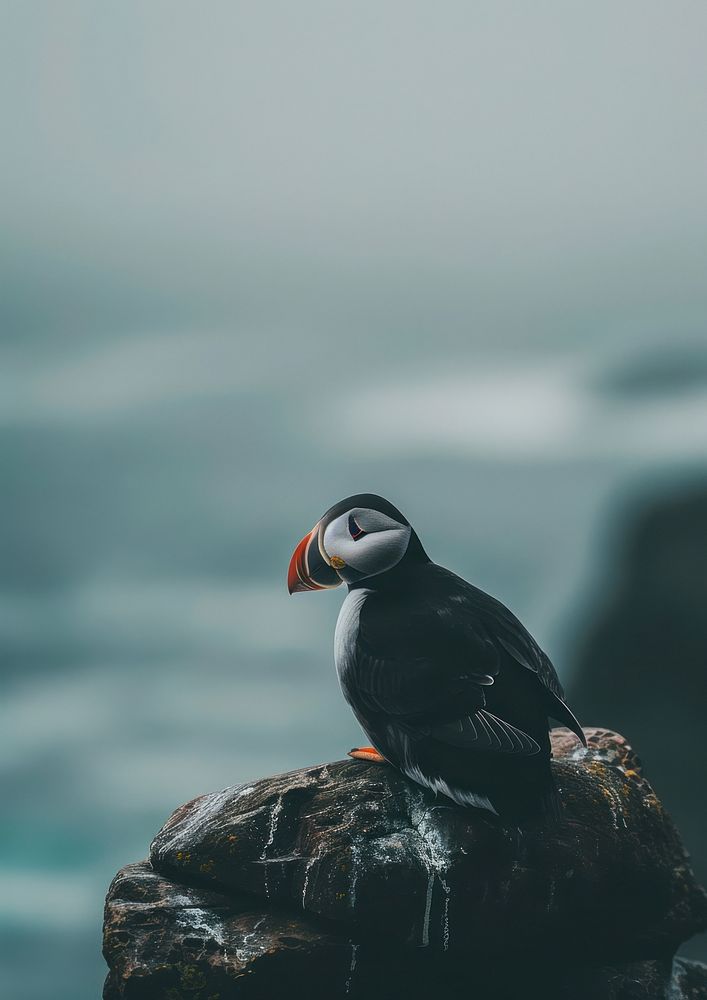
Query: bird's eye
[354, 530]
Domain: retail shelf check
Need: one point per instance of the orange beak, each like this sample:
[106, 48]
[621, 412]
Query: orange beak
[308, 569]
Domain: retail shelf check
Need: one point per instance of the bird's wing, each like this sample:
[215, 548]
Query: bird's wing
[511, 637]
[428, 668]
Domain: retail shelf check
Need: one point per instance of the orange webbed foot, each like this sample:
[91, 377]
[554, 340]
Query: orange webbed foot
[367, 753]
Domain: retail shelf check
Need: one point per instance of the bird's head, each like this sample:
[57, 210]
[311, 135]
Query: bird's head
[360, 537]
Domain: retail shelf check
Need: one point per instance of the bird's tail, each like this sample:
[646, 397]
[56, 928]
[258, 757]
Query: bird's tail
[535, 807]
[550, 803]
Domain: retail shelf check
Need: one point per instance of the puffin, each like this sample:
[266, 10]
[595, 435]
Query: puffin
[445, 681]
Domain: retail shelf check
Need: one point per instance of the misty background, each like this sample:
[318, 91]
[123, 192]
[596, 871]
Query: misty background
[259, 256]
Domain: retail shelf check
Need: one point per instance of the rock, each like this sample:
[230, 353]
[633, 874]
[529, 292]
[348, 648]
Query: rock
[171, 940]
[167, 941]
[359, 844]
[688, 980]
[352, 880]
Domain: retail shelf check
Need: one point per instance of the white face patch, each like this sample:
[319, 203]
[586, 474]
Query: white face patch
[380, 542]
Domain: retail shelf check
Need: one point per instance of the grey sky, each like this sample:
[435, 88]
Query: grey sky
[475, 172]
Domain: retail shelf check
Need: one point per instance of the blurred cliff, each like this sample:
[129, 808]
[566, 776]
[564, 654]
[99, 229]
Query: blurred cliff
[643, 660]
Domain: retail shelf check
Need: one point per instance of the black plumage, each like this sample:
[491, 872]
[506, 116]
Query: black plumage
[445, 679]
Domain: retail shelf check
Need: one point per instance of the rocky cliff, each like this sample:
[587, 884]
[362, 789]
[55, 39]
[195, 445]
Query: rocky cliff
[643, 654]
[348, 880]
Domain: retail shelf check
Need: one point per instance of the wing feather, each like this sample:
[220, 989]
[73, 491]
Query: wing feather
[484, 731]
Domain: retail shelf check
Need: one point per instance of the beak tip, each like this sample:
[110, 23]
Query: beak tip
[297, 576]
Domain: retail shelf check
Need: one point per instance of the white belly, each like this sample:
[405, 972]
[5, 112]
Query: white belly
[346, 632]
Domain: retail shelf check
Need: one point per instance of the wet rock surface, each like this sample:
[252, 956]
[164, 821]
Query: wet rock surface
[347, 879]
